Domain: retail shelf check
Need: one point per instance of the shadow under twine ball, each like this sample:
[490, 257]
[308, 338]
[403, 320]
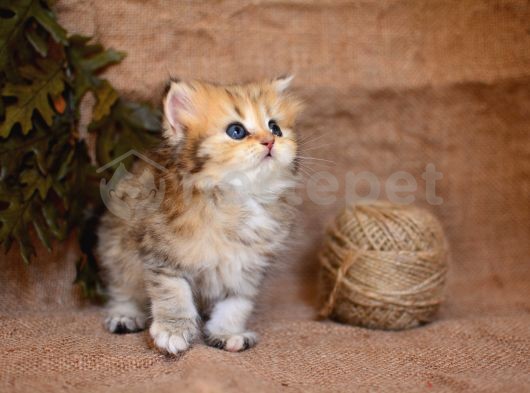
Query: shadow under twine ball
[383, 266]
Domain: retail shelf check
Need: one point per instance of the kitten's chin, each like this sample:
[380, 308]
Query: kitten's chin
[271, 165]
[281, 161]
[268, 160]
[274, 166]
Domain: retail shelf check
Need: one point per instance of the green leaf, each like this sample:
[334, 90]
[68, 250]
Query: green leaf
[40, 45]
[27, 250]
[139, 116]
[32, 181]
[103, 59]
[11, 213]
[18, 150]
[86, 61]
[63, 191]
[32, 97]
[47, 20]
[65, 165]
[106, 96]
[41, 229]
[12, 27]
[105, 144]
[43, 186]
[86, 267]
[6, 244]
[14, 219]
[79, 41]
[39, 149]
[129, 126]
[50, 216]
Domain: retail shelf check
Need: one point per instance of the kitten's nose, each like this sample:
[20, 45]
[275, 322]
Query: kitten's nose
[268, 143]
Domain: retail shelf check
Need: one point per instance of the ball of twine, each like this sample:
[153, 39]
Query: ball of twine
[383, 266]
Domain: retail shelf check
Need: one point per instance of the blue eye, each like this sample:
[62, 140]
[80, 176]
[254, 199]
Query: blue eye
[236, 131]
[275, 128]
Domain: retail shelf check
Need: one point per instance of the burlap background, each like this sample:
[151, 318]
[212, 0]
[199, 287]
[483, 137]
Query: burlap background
[393, 85]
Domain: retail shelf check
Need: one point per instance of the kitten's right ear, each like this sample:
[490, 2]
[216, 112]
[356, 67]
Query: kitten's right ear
[178, 106]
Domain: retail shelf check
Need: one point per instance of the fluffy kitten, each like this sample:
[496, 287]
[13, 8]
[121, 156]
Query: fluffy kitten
[230, 154]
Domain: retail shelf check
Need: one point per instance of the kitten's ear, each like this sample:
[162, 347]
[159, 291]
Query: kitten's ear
[282, 83]
[178, 105]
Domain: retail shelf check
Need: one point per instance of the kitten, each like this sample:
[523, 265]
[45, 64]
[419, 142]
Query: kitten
[230, 159]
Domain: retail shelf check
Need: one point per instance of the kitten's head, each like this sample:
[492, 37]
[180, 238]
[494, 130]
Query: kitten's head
[245, 129]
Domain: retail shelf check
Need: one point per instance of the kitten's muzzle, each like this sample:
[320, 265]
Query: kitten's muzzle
[268, 143]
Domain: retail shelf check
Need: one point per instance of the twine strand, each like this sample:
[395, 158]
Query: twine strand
[341, 272]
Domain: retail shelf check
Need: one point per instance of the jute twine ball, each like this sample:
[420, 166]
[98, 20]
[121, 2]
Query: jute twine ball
[383, 266]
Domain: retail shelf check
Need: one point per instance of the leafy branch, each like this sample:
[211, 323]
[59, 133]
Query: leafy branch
[48, 182]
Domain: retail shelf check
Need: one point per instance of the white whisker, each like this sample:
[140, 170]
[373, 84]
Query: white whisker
[304, 171]
[314, 147]
[310, 139]
[315, 158]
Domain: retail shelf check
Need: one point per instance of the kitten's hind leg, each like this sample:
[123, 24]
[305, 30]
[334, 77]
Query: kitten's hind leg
[226, 327]
[127, 306]
[123, 273]
[125, 316]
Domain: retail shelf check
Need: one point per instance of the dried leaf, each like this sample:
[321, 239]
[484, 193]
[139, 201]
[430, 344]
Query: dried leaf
[32, 97]
[59, 104]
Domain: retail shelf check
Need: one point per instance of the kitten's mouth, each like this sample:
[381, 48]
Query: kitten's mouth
[268, 157]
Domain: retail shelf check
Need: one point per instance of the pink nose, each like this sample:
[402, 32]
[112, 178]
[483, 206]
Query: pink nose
[269, 144]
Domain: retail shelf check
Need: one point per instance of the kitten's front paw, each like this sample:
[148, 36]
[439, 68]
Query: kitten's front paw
[232, 342]
[120, 324]
[174, 336]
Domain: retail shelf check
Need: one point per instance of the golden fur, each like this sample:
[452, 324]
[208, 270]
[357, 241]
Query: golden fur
[224, 215]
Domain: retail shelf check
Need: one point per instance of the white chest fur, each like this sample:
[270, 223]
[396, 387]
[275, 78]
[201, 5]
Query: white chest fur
[228, 243]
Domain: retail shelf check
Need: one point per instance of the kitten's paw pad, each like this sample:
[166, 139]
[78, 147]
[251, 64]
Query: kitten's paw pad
[173, 337]
[232, 342]
[121, 324]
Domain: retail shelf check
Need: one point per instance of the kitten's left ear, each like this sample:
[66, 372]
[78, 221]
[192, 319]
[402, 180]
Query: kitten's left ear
[282, 83]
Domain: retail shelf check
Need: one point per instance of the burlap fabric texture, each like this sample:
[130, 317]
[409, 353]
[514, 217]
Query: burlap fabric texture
[392, 86]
